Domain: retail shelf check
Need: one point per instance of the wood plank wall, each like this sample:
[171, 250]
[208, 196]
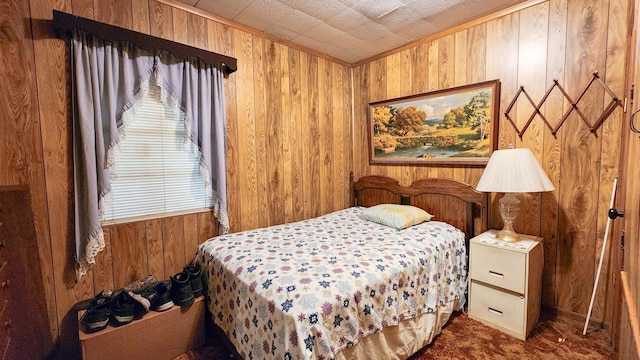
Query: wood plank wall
[289, 143]
[628, 346]
[544, 40]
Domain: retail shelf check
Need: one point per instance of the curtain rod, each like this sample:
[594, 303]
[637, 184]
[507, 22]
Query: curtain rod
[65, 23]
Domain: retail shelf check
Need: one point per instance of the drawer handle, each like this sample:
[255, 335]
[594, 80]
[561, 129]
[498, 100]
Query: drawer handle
[496, 274]
[495, 312]
[5, 284]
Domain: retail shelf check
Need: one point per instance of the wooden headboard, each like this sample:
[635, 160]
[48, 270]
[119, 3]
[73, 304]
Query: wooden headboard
[450, 201]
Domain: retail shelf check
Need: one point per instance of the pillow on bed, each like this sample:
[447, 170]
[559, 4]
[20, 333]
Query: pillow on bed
[396, 216]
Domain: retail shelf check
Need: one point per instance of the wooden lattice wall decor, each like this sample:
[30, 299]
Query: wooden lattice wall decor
[615, 101]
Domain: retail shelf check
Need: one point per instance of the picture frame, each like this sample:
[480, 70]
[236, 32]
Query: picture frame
[453, 126]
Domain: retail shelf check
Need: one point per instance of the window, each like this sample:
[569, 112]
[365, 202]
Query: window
[157, 173]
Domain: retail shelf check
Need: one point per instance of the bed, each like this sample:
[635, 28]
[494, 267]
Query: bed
[343, 287]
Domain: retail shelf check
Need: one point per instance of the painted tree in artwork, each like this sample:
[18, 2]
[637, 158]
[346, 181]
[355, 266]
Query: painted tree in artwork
[381, 117]
[409, 119]
[478, 113]
[455, 117]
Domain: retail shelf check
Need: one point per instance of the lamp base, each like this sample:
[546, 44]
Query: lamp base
[509, 208]
[508, 235]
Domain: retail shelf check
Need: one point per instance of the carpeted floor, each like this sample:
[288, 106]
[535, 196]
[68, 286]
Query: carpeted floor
[464, 338]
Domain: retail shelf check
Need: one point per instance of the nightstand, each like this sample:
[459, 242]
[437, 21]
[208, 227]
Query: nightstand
[504, 282]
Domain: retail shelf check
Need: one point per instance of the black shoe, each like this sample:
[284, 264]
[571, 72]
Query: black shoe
[97, 316]
[195, 278]
[141, 305]
[123, 308]
[163, 300]
[181, 292]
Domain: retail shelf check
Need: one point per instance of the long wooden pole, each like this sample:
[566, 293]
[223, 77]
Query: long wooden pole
[604, 246]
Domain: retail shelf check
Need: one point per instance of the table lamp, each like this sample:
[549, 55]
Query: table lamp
[512, 171]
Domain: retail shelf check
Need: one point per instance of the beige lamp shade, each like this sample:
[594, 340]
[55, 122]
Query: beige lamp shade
[514, 171]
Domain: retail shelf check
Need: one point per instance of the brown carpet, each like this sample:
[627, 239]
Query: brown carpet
[464, 338]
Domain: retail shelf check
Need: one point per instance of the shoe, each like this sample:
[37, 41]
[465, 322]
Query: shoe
[195, 278]
[163, 300]
[141, 305]
[181, 292]
[140, 284]
[123, 308]
[97, 316]
[84, 304]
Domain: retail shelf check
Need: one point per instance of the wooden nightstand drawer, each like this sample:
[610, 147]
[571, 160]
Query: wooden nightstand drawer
[504, 309]
[500, 267]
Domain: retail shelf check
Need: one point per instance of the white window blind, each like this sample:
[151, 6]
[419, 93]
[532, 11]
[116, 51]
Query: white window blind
[156, 173]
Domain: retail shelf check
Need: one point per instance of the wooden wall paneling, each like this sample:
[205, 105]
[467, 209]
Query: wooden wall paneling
[460, 57]
[615, 76]
[198, 35]
[476, 53]
[261, 132]
[553, 108]
[191, 236]
[140, 14]
[114, 12]
[274, 135]
[433, 64]
[394, 76]
[207, 226]
[297, 121]
[288, 146]
[360, 138]
[305, 137]
[446, 61]
[84, 8]
[155, 249]
[629, 197]
[420, 74]
[501, 63]
[21, 153]
[340, 153]
[325, 107]
[129, 250]
[173, 244]
[161, 16]
[103, 268]
[52, 79]
[247, 155]
[578, 195]
[347, 125]
[312, 143]
[406, 75]
[532, 54]
[181, 26]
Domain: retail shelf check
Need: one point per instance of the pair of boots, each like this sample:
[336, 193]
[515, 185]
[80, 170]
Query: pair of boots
[187, 285]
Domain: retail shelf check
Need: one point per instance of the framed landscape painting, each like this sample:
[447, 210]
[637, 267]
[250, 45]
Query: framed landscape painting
[451, 126]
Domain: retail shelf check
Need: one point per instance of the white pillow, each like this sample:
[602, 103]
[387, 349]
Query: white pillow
[396, 216]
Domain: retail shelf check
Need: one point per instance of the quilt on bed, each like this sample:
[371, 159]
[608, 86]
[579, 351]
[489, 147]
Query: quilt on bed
[309, 289]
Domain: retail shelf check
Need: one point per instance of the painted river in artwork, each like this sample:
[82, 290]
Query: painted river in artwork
[417, 152]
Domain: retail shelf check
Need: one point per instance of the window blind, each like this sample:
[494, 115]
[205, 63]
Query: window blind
[156, 173]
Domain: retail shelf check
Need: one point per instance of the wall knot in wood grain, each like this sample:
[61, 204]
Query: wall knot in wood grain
[615, 101]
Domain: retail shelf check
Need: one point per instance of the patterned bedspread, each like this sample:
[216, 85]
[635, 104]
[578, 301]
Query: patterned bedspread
[309, 289]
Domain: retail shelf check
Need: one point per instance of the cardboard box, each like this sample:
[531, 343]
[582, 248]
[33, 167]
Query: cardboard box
[157, 335]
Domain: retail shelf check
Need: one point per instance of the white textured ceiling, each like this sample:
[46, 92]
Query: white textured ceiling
[351, 30]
